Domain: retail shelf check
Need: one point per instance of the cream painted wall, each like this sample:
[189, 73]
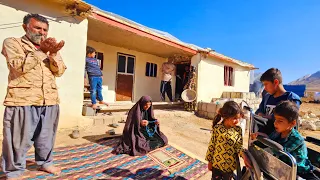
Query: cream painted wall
[74, 33]
[143, 85]
[195, 60]
[211, 79]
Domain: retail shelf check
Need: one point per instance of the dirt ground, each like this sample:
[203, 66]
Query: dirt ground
[315, 108]
[183, 129]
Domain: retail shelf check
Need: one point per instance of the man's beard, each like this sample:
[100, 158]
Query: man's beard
[36, 38]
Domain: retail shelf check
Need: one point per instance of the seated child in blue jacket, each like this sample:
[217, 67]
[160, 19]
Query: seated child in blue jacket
[286, 114]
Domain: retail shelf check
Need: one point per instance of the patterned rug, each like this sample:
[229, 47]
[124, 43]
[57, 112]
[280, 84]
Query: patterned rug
[95, 161]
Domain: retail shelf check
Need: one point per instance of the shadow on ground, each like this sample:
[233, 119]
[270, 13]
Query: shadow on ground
[151, 172]
[101, 137]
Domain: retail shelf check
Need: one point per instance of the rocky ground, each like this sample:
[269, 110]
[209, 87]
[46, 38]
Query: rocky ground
[315, 108]
[310, 116]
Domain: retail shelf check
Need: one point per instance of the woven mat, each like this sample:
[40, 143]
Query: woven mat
[95, 161]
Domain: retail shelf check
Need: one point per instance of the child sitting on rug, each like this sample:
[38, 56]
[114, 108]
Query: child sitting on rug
[286, 114]
[226, 142]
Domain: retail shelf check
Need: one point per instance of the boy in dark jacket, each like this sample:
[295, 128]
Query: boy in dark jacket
[95, 77]
[286, 115]
[272, 81]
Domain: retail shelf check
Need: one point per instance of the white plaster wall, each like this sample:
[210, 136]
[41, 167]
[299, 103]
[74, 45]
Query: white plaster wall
[195, 60]
[73, 32]
[211, 79]
[143, 85]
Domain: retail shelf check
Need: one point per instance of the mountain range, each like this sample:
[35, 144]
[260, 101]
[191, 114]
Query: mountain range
[312, 81]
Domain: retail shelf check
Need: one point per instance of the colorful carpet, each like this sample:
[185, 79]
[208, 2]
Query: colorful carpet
[95, 161]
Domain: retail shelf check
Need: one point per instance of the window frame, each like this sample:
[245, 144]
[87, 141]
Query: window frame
[153, 70]
[229, 76]
[100, 61]
[126, 65]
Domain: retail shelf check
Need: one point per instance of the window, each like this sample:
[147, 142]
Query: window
[228, 76]
[122, 64]
[126, 64]
[130, 65]
[151, 69]
[99, 56]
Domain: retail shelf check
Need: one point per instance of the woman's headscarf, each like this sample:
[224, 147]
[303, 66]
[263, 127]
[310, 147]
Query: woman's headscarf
[133, 141]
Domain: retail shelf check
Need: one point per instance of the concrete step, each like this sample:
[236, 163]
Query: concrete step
[117, 117]
[124, 107]
[86, 94]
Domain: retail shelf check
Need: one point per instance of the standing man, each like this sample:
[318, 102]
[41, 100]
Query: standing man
[168, 70]
[32, 112]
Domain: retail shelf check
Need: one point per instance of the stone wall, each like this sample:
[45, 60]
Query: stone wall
[210, 109]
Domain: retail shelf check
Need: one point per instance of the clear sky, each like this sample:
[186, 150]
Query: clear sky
[267, 33]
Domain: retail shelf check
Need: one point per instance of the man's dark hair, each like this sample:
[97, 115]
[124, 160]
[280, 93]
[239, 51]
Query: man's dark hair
[90, 50]
[38, 17]
[271, 75]
[288, 110]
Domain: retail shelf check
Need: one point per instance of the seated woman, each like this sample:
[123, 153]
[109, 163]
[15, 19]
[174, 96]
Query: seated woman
[141, 133]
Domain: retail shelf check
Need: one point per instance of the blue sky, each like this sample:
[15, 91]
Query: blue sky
[267, 33]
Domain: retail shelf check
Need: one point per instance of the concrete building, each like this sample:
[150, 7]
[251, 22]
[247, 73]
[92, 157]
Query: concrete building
[131, 56]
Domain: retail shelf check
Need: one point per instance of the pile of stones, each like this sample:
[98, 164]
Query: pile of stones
[309, 121]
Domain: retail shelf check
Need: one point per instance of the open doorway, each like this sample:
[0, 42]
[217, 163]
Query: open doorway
[183, 70]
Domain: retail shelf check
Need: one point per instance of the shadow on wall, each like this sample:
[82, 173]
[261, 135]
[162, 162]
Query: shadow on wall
[54, 12]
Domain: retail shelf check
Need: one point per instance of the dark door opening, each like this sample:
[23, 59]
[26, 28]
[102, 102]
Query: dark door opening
[182, 78]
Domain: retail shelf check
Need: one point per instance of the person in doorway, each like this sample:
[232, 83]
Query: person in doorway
[95, 77]
[141, 133]
[272, 81]
[168, 71]
[286, 115]
[192, 84]
[179, 88]
[186, 74]
[32, 104]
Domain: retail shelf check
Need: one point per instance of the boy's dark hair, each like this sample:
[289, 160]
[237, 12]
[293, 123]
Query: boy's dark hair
[288, 110]
[271, 75]
[230, 109]
[38, 17]
[90, 50]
